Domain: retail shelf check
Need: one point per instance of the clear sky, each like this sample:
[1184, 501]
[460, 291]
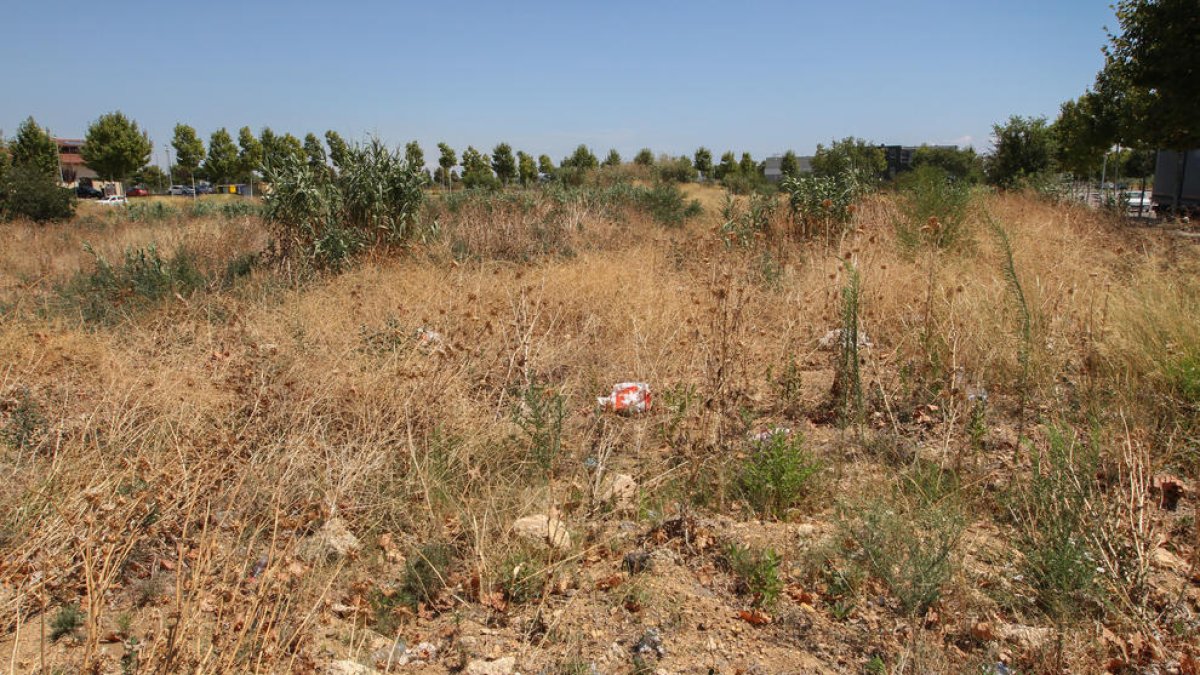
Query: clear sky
[545, 76]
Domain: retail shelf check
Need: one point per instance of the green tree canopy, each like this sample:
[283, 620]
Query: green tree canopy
[250, 153]
[477, 170]
[1081, 136]
[337, 148]
[189, 151]
[727, 167]
[314, 152]
[414, 155]
[545, 165]
[503, 163]
[613, 158]
[789, 164]
[33, 147]
[115, 147]
[526, 168]
[644, 157]
[1024, 147]
[582, 158]
[221, 165]
[702, 160]
[154, 178]
[962, 164]
[747, 165]
[851, 155]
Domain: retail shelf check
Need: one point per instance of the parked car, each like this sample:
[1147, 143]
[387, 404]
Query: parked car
[114, 200]
[137, 191]
[88, 192]
[204, 189]
[181, 190]
[1138, 201]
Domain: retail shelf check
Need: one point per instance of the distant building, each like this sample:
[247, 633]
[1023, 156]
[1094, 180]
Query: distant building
[774, 174]
[70, 162]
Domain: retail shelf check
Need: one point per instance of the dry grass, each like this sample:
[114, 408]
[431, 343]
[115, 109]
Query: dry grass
[213, 435]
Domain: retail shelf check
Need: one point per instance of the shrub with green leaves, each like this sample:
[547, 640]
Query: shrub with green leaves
[65, 622]
[778, 474]
[540, 414]
[823, 205]
[324, 219]
[150, 212]
[757, 573]
[1054, 509]
[22, 419]
[908, 545]
[934, 209]
[144, 277]
[27, 192]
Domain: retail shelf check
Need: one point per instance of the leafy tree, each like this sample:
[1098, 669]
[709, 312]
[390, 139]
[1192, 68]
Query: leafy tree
[269, 142]
[152, 177]
[613, 159]
[702, 160]
[527, 170]
[789, 164]
[28, 191]
[850, 155]
[962, 164]
[221, 165]
[1081, 135]
[545, 166]
[446, 162]
[675, 170]
[747, 167]
[115, 147]
[250, 153]
[503, 163]
[314, 151]
[414, 155]
[337, 148]
[727, 167]
[1024, 147]
[292, 146]
[477, 170]
[582, 158]
[33, 147]
[189, 152]
[1157, 58]
[644, 157]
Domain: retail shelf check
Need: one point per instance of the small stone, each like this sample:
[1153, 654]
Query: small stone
[618, 489]
[543, 529]
[334, 540]
[348, 667]
[502, 666]
[391, 655]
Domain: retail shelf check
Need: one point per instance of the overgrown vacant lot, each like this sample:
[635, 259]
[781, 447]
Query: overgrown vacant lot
[215, 462]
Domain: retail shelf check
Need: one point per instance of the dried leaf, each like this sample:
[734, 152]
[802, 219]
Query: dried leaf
[754, 617]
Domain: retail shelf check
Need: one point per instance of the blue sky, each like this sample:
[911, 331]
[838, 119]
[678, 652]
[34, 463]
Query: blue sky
[545, 76]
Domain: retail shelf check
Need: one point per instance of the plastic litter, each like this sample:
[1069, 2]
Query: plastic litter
[627, 398]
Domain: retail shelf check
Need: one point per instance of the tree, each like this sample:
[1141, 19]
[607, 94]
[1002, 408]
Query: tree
[34, 148]
[250, 153]
[675, 169]
[582, 158]
[644, 157]
[115, 147]
[414, 155]
[850, 155]
[613, 158]
[961, 164]
[1024, 148]
[727, 167]
[221, 165]
[546, 166]
[152, 177]
[291, 145]
[270, 148]
[337, 148]
[527, 170]
[446, 162]
[703, 161]
[477, 170]
[28, 191]
[503, 163]
[747, 167]
[1081, 135]
[789, 164]
[189, 152]
[314, 152]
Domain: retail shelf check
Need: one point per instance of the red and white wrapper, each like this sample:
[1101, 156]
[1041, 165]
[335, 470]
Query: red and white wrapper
[627, 398]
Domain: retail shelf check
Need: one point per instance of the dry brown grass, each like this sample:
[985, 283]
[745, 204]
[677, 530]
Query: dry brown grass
[214, 434]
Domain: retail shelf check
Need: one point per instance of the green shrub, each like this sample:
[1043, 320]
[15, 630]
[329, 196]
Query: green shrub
[934, 209]
[778, 474]
[678, 170]
[23, 420]
[823, 205]
[757, 573]
[666, 204]
[425, 574]
[847, 392]
[908, 546]
[1054, 508]
[66, 621]
[522, 577]
[27, 192]
[142, 279]
[540, 414]
[150, 212]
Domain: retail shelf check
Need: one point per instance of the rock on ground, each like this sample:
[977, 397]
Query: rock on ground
[334, 540]
[619, 489]
[347, 667]
[543, 529]
[504, 666]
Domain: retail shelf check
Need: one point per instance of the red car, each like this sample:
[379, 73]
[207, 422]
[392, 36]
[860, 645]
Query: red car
[137, 192]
